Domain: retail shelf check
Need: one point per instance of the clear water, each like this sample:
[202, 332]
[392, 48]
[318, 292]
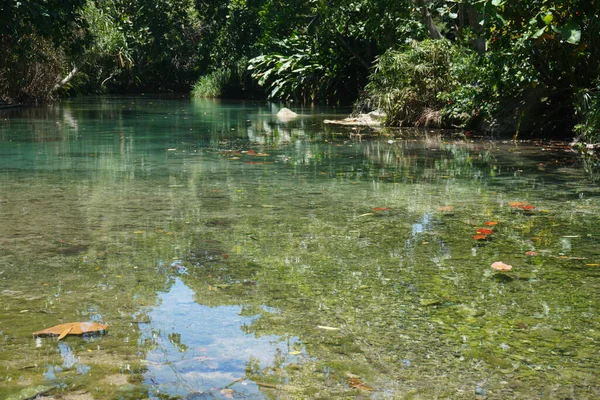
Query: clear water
[234, 255]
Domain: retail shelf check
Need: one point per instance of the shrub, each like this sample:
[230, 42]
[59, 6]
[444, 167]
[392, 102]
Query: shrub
[212, 84]
[412, 85]
[30, 70]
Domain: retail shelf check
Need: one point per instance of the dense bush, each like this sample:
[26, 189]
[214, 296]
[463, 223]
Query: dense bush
[30, 70]
[413, 84]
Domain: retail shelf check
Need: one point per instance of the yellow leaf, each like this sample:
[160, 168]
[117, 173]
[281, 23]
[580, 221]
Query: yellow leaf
[72, 328]
[64, 333]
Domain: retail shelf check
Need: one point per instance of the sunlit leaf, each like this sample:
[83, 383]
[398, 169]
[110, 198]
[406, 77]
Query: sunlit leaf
[491, 223]
[484, 231]
[480, 237]
[571, 31]
[72, 328]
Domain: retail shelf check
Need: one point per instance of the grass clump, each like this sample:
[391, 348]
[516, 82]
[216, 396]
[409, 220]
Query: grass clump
[212, 84]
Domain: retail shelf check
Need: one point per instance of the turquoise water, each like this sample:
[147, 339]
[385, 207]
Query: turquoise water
[234, 255]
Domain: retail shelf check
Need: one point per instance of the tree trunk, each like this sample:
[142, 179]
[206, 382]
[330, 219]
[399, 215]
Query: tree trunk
[66, 79]
[434, 33]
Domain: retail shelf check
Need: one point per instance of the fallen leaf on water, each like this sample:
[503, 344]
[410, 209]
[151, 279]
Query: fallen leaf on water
[484, 231]
[516, 204]
[381, 209]
[500, 266]
[491, 223]
[72, 328]
[480, 237]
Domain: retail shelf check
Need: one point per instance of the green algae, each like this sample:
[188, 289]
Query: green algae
[401, 297]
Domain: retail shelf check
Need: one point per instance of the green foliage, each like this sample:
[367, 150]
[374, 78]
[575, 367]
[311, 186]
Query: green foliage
[299, 74]
[409, 85]
[30, 71]
[587, 108]
[212, 84]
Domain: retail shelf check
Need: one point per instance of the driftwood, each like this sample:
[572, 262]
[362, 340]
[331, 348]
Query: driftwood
[372, 119]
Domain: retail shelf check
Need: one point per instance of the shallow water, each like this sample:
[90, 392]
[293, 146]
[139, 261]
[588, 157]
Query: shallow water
[234, 255]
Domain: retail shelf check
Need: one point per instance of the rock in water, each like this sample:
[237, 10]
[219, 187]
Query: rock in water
[286, 114]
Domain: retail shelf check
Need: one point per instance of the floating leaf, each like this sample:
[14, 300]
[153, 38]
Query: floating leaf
[491, 223]
[516, 204]
[500, 266]
[72, 328]
[484, 231]
[381, 209]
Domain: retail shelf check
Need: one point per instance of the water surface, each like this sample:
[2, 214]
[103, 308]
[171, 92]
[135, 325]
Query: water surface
[234, 255]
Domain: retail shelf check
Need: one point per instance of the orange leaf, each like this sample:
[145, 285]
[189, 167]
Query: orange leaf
[527, 207]
[381, 209]
[446, 208]
[531, 253]
[480, 237]
[72, 328]
[484, 231]
[491, 223]
[358, 384]
[516, 204]
[251, 152]
[500, 266]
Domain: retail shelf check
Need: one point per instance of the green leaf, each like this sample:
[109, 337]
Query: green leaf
[571, 32]
[548, 18]
[538, 33]
[497, 3]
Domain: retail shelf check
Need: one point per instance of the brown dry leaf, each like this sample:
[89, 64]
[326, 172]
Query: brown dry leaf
[358, 384]
[72, 328]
